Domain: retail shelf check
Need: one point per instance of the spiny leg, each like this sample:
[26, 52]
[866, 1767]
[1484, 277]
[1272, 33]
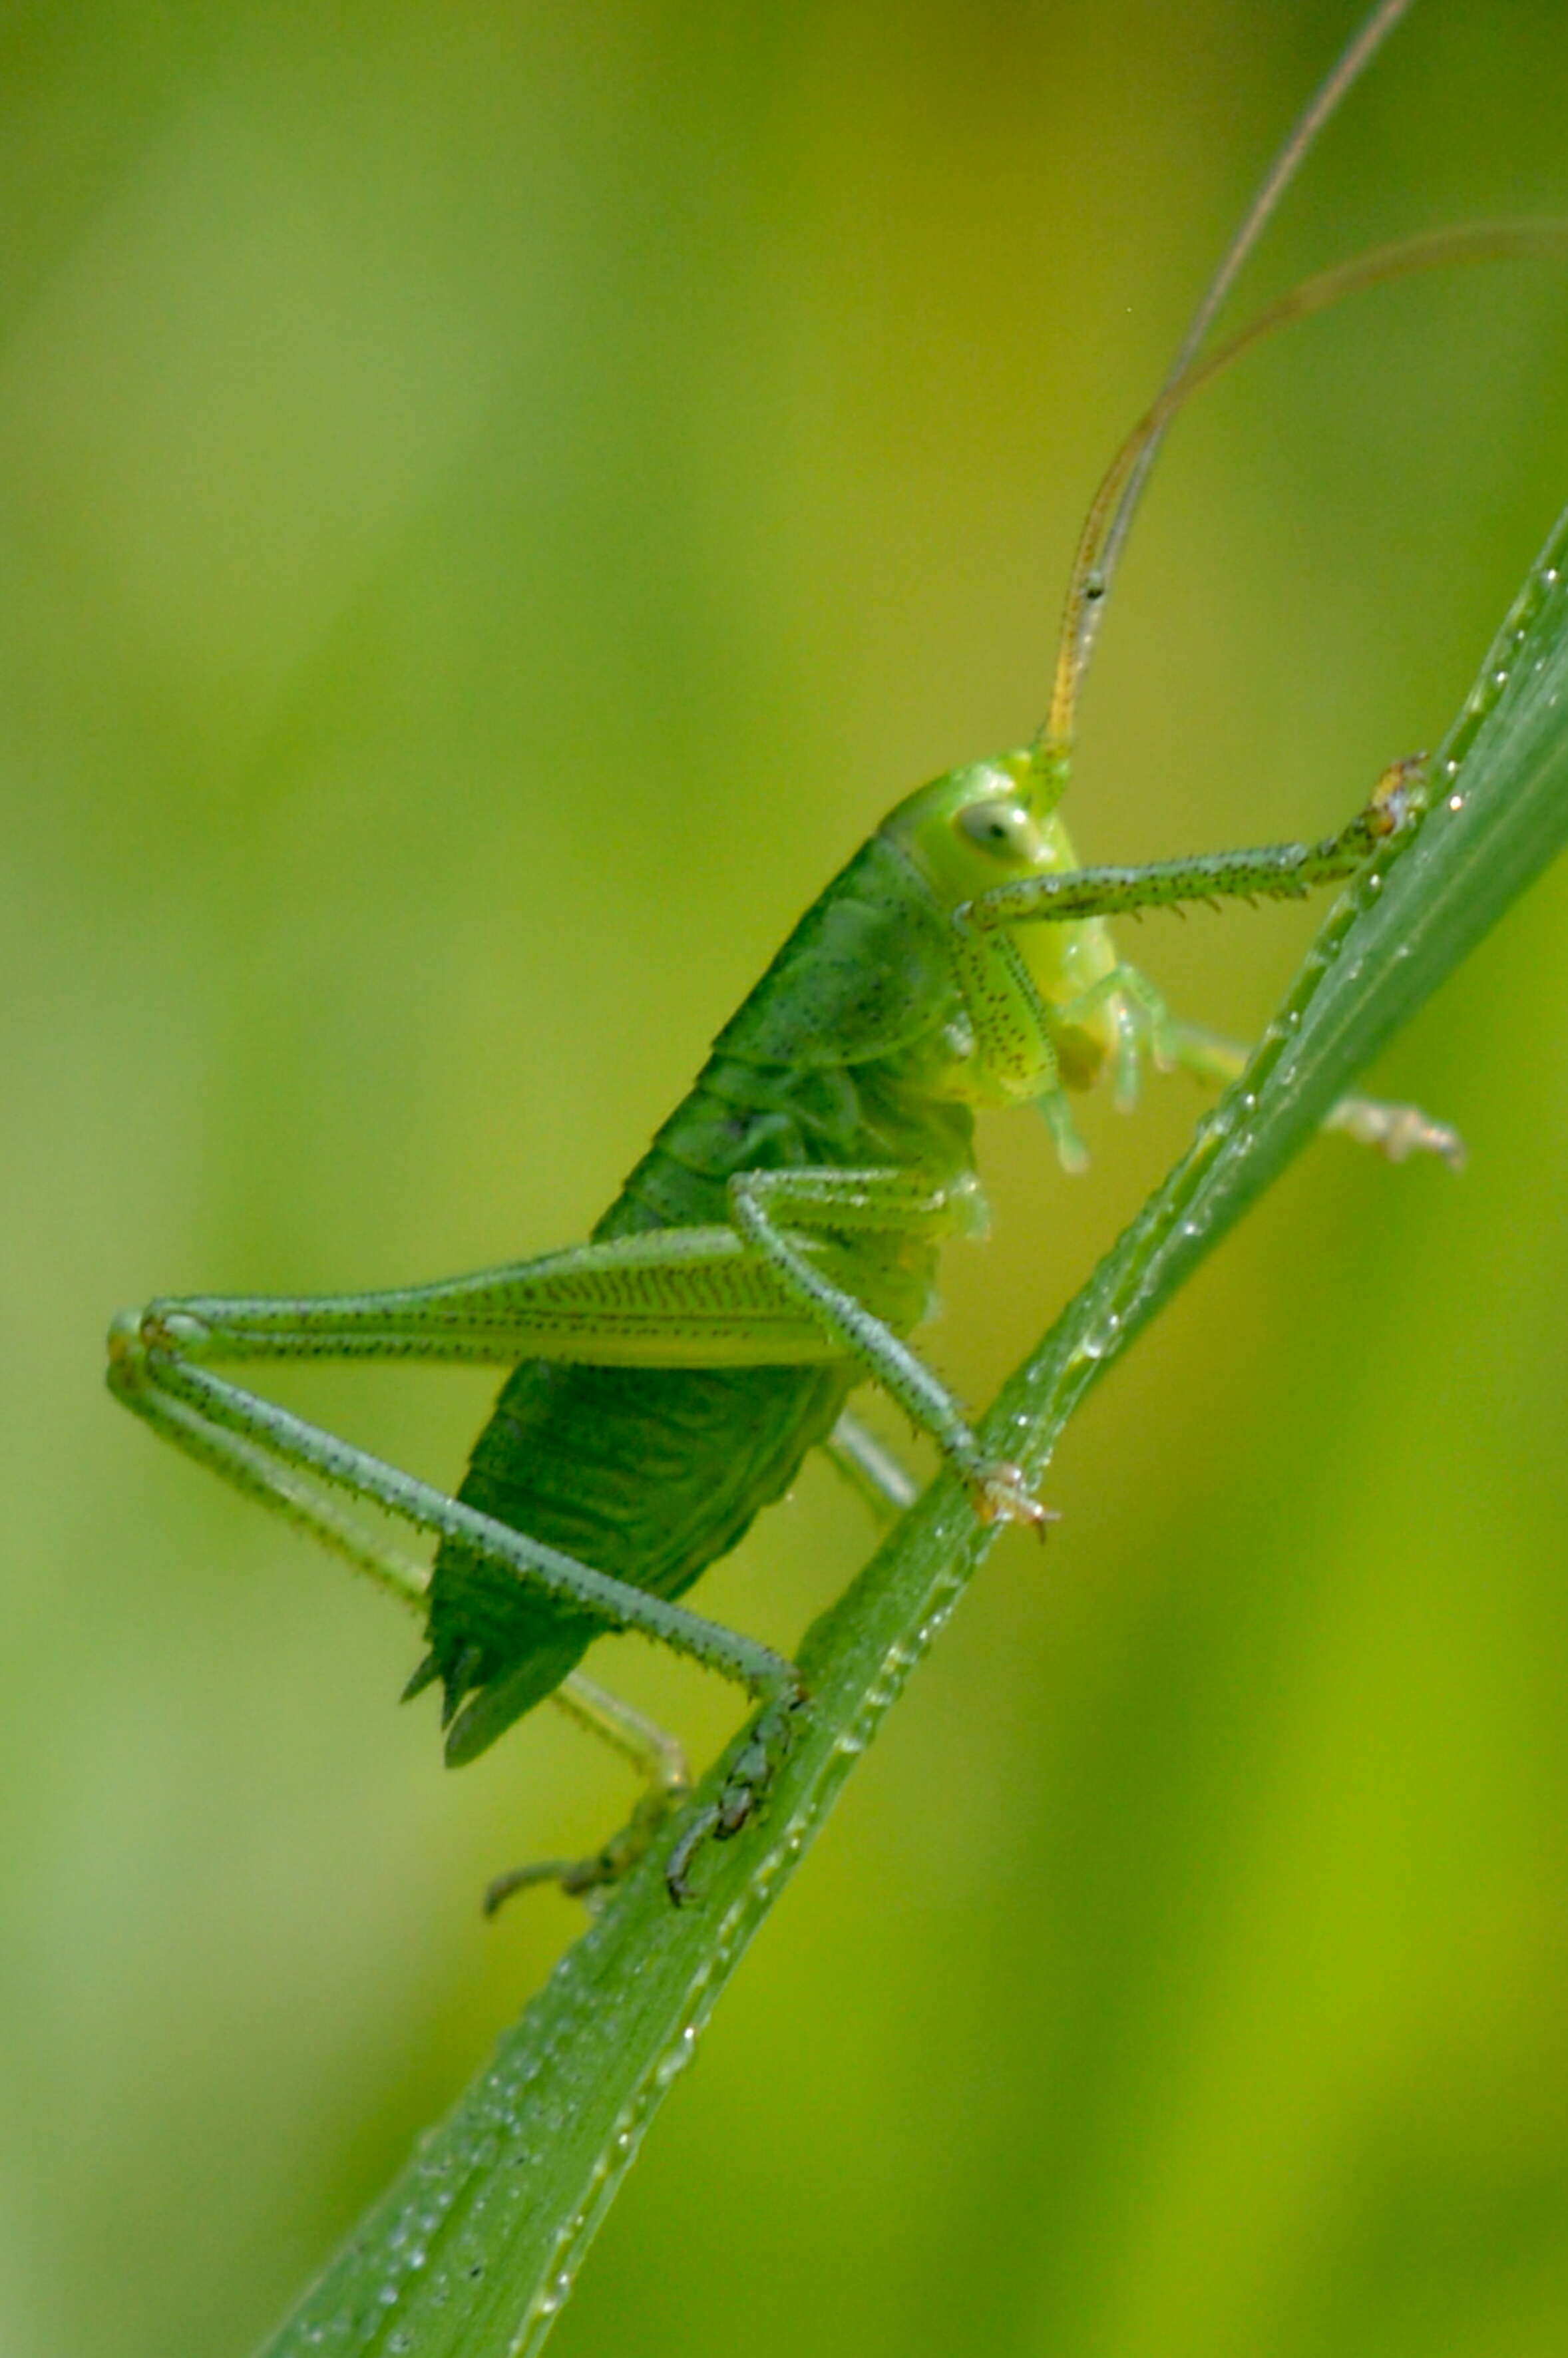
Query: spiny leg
[1011, 1019]
[259, 1474]
[772, 1207]
[669, 1298]
[293, 1466]
[877, 1203]
[207, 1415]
[680, 1297]
[289, 1491]
[1276, 872]
[1395, 1130]
[878, 1478]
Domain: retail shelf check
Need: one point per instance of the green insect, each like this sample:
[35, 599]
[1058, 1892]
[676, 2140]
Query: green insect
[776, 1246]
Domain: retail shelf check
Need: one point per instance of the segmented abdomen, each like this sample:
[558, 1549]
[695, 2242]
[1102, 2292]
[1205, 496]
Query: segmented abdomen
[648, 1474]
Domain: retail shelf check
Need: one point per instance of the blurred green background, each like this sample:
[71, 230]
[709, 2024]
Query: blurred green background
[494, 503]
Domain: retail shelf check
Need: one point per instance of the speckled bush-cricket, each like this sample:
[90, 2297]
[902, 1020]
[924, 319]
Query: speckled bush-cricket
[776, 1245]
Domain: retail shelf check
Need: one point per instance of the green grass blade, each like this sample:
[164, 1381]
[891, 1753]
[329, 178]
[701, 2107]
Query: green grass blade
[473, 2250]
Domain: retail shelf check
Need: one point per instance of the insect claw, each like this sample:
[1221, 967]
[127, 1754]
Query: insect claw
[1397, 1131]
[1001, 1494]
[751, 1774]
[677, 1881]
[589, 1878]
[1398, 794]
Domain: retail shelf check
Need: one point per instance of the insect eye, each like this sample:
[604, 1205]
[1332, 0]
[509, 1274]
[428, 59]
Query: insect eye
[1003, 827]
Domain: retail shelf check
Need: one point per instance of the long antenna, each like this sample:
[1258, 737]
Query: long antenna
[1431, 250]
[1090, 582]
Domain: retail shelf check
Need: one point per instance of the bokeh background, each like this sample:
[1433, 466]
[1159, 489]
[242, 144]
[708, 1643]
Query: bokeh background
[495, 500]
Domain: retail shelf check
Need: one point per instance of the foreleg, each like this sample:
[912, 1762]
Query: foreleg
[1395, 1130]
[1277, 872]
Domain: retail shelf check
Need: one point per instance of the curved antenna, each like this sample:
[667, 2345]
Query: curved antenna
[1108, 515]
[1081, 621]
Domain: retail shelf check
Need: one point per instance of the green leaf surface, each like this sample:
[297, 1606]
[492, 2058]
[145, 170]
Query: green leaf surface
[474, 2248]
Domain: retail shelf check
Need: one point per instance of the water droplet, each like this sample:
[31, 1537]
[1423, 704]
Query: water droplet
[671, 2065]
[1100, 1341]
[555, 2296]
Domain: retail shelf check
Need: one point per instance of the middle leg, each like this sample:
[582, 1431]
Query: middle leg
[772, 1208]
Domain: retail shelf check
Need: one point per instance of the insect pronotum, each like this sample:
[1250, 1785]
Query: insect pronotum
[776, 1245]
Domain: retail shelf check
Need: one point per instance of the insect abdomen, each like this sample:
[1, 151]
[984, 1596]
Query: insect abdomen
[647, 1474]
[650, 1474]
